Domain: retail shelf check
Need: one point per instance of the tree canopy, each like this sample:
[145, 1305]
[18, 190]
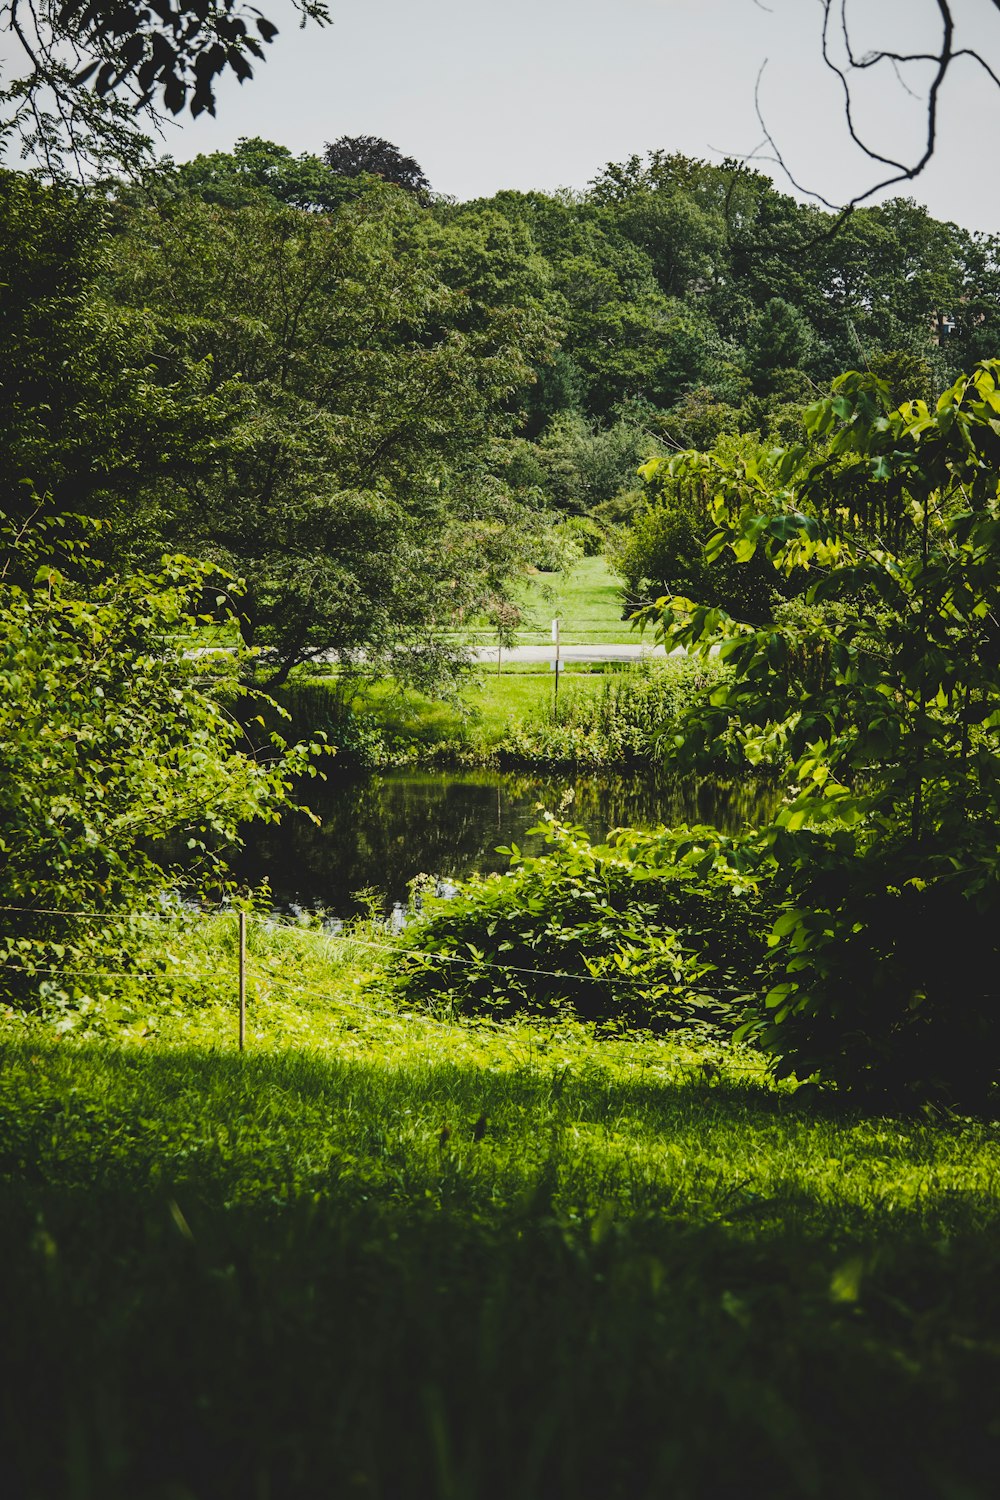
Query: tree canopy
[371, 156]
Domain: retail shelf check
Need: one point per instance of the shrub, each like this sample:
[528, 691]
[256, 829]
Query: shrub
[115, 742]
[585, 534]
[320, 707]
[876, 700]
[612, 934]
[624, 723]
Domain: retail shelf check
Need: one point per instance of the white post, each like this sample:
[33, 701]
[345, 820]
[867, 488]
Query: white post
[555, 695]
[243, 979]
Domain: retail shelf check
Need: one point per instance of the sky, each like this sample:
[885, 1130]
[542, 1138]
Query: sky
[543, 93]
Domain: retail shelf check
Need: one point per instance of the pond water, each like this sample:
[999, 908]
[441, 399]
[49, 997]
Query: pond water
[378, 831]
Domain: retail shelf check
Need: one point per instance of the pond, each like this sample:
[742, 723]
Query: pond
[380, 830]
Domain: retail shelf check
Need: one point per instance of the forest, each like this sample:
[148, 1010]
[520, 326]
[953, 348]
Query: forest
[653, 1163]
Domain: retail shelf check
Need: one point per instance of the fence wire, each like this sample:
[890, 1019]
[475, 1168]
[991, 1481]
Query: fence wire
[387, 944]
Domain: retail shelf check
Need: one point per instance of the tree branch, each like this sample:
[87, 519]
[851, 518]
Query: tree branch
[835, 19]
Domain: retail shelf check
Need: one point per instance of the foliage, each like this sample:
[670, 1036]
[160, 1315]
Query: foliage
[371, 156]
[587, 534]
[256, 171]
[583, 464]
[92, 64]
[623, 722]
[99, 402]
[663, 552]
[114, 743]
[353, 497]
[323, 706]
[582, 928]
[883, 719]
[699, 419]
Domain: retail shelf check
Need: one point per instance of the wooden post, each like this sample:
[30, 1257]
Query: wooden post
[243, 980]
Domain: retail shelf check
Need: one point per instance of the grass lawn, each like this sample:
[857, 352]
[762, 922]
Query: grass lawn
[383, 1256]
[490, 703]
[588, 602]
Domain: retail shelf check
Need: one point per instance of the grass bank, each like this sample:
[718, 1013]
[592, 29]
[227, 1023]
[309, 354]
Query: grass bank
[465, 1262]
[600, 718]
[587, 598]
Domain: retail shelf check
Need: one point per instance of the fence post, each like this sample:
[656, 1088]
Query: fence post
[243, 979]
[555, 695]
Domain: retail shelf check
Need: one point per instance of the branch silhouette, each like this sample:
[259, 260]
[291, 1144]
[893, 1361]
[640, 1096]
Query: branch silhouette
[851, 63]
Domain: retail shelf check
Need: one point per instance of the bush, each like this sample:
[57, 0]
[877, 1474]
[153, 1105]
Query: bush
[585, 534]
[625, 723]
[320, 707]
[880, 981]
[115, 742]
[876, 701]
[612, 934]
[663, 553]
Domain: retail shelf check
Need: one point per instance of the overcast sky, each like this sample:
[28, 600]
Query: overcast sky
[542, 93]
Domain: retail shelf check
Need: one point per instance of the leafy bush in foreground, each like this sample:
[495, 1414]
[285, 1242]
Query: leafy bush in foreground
[113, 740]
[607, 933]
[882, 715]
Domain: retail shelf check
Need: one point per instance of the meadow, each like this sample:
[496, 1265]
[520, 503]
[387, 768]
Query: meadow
[379, 1254]
[587, 597]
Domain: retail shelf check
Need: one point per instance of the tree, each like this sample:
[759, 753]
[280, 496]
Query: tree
[583, 464]
[371, 156]
[877, 705]
[114, 741]
[99, 401]
[623, 340]
[780, 340]
[257, 171]
[353, 495]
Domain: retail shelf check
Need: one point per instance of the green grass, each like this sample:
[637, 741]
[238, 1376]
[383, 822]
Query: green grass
[588, 601]
[383, 1256]
[490, 704]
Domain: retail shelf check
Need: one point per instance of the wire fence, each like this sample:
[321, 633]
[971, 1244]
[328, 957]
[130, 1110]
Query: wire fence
[388, 943]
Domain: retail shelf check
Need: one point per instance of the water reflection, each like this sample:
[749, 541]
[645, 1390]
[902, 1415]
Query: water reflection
[378, 831]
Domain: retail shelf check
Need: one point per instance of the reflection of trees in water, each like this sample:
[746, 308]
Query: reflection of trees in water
[381, 830]
[621, 800]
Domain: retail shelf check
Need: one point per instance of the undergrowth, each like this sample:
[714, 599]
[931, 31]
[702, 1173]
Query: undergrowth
[611, 718]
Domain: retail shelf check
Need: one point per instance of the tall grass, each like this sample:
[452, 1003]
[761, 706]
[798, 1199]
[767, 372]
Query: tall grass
[624, 722]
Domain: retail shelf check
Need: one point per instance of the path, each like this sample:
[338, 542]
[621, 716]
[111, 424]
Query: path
[626, 651]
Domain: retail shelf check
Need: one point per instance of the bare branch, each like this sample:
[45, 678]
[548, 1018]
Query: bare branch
[836, 23]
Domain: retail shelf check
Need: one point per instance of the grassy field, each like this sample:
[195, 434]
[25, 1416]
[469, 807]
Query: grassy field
[379, 1255]
[489, 705]
[588, 602]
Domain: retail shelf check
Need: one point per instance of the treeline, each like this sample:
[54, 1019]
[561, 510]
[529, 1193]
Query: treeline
[370, 404]
[685, 301]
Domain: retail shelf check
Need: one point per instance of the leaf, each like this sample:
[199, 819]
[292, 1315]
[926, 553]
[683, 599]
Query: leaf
[845, 1283]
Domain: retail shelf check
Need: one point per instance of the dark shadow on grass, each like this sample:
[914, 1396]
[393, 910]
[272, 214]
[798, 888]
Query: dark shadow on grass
[240, 1277]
